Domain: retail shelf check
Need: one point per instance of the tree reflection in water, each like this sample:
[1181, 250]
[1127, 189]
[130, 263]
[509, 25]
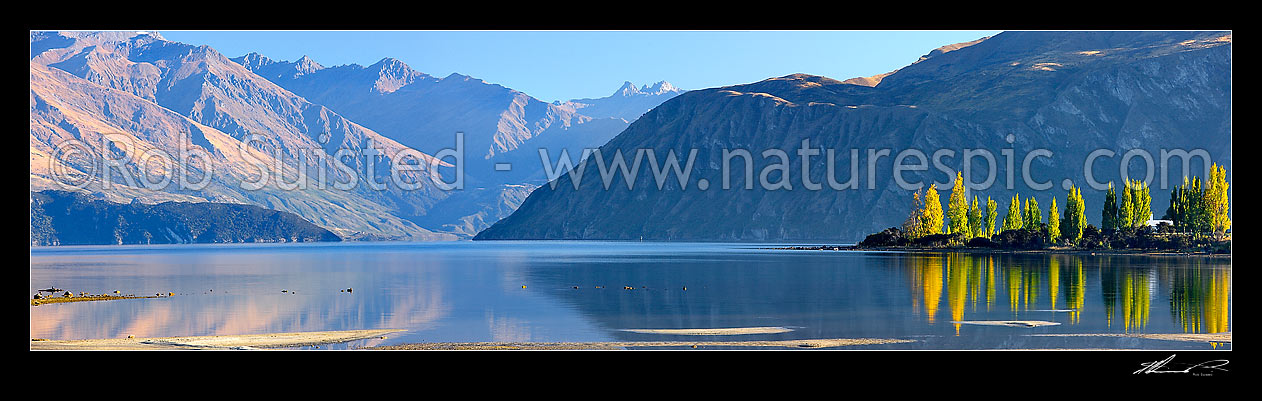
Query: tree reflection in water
[1199, 291]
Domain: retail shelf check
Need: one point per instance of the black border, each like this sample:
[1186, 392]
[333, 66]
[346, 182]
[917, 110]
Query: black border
[633, 374]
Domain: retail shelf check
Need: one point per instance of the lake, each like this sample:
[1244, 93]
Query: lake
[576, 291]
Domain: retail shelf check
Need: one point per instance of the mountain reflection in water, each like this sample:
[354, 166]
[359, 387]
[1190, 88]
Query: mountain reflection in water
[546, 291]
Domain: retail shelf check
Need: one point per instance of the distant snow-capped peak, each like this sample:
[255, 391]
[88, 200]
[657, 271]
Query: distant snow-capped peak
[306, 65]
[629, 89]
[659, 88]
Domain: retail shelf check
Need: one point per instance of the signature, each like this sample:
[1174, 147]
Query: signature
[1158, 366]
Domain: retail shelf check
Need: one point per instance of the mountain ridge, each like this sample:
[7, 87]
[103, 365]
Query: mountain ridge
[166, 83]
[70, 218]
[1069, 93]
[157, 93]
[628, 103]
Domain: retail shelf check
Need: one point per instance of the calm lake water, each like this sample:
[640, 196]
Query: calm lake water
[543, 291]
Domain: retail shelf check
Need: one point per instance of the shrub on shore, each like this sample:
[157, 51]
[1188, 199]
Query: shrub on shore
[889, 237]
[1092, 238]
[894, 237]
[1022, 238]
[941, 240]
[980, 242]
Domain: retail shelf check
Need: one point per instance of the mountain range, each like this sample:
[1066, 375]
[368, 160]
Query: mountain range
[124, 95]
[70, 218]
[628, 102]
[1067, 93]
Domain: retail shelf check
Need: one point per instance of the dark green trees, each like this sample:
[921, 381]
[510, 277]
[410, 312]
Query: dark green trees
[1075, 216]
[1108, 215]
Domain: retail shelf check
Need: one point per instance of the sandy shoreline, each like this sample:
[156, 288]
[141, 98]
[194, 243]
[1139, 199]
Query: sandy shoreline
[1190, 337]
[1008, 323]
[713, 332]
[616, 345]
[283, 340]
[792, 344]
[226, 342]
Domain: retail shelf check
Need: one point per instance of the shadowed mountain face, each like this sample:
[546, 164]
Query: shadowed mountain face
[68, 218]
[1069, 93]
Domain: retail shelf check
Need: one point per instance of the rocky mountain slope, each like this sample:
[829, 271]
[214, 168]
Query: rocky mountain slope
[292, 118]
[167, 96]
[500, 125]
[1069, 93]
[425, 112]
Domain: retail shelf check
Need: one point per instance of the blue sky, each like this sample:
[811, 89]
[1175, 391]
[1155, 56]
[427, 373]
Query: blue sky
[563, 65]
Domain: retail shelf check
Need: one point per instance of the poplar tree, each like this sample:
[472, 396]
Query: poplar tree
[1177, 212]
[1033, 216]
[1198, 219]
[974, 220]
[992, 212]
[931, 219]
[1053, 221]
[1108, 215]
[1075, 216]
[1216, 201]
[957, 207]
[912, 227]
[1141, 200]
[1125, 210]
[1145, 204]
[1012, 221]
